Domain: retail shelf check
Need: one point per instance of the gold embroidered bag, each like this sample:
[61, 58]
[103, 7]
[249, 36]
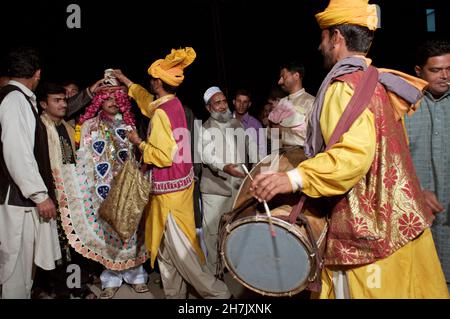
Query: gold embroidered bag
[126, 200]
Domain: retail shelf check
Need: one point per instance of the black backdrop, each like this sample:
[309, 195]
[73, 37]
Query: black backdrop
[238, 42]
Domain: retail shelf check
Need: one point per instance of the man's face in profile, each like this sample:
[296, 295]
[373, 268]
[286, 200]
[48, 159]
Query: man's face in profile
[326, 48]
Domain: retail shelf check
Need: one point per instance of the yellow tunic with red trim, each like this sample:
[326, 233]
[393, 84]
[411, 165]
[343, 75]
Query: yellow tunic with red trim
[407, 270]
[158, 150]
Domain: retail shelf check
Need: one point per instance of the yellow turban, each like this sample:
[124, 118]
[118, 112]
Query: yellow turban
[170, 69]
[358, 12]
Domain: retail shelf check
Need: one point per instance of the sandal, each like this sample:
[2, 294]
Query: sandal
[140, 288]
[108, 293]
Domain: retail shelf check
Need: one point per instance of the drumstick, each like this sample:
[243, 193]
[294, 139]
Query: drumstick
[266, 207]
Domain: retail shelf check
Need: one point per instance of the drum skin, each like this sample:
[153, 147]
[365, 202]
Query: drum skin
[282, 161]
[274, 266]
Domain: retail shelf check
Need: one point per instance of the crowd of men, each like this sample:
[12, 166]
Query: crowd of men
[387, 173]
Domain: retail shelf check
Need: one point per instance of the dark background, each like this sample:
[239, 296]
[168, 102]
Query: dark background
[239, 43]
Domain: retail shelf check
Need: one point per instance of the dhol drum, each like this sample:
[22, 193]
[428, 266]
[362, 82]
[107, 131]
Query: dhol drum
[279, 266]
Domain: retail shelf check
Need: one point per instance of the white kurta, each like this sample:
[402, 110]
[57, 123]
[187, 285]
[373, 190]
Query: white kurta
[303, 103]
[16, 223]
[214, 206]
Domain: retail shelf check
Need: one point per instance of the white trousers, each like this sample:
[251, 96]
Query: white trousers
[179, 265]
[17, 285]
[214, 206]
[340, 285]
[132, 276]
[25, 241]
[201, 239]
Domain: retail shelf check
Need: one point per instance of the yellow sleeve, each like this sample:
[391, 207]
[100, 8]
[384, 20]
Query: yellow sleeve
[336, 171]
[143, 99]
[160, 146]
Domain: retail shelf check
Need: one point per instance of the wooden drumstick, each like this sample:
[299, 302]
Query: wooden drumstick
[266, 207]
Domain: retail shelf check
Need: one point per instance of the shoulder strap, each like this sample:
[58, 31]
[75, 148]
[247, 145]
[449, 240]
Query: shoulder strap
[358, 103]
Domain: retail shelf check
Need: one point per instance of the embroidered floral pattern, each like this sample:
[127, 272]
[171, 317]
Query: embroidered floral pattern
[346, 253]
[410, 225]
[390, 178]
[368, 202]
[370, 222]
[359, 224]
[407, 189]
[394, 145]
[385, 212]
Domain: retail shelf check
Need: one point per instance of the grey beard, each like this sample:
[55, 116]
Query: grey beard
[222, 117]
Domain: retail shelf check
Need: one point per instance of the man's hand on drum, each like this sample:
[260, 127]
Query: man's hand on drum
[266, 185]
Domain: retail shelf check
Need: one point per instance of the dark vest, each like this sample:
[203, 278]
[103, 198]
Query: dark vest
[40, 154]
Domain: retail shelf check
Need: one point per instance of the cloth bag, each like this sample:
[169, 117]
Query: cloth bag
[126, 200]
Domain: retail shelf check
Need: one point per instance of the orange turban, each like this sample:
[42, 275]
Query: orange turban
[170, 69]
[358, 12]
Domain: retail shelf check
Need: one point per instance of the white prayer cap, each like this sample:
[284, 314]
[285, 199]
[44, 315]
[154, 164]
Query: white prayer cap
[210, 92]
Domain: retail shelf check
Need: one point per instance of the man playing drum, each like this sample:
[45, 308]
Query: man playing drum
[379, 243]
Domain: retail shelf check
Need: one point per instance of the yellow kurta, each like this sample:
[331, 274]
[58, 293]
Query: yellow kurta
[159, 150]
[143, 98]
[336, 171]
[403, 275]
[414, 270]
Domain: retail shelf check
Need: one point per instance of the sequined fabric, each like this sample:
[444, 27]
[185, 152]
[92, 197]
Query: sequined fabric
[384, 210]
[126, 200]
[97, 164]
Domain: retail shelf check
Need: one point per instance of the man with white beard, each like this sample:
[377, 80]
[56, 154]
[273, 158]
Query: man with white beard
[224, 148]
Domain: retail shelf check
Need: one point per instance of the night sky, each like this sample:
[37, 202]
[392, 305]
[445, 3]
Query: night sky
[238, 43]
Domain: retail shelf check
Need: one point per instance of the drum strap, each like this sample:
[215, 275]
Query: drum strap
[358, 103]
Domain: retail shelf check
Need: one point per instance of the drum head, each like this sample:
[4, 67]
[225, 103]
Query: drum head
[276, 266]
